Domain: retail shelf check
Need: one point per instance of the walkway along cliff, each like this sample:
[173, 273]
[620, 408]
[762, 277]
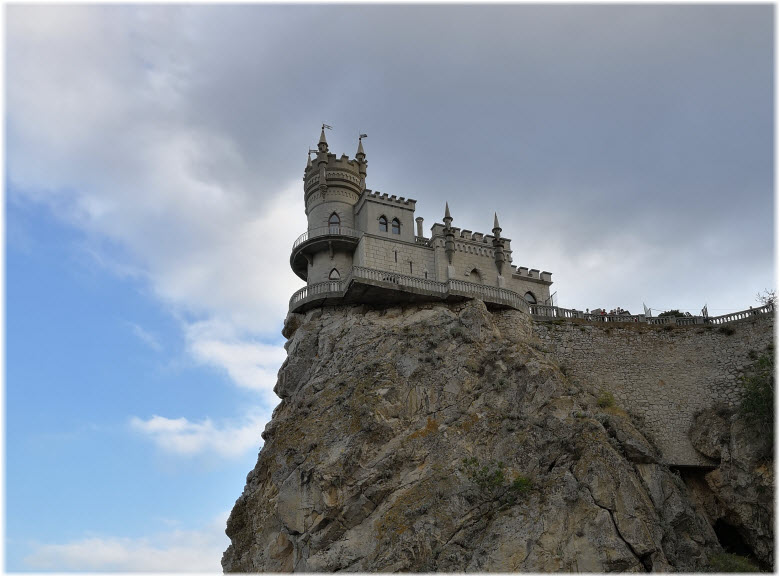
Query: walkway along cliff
[450, 430]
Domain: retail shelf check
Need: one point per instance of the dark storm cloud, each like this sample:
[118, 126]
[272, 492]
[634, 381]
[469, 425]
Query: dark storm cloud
[582, 125]
[634, 138]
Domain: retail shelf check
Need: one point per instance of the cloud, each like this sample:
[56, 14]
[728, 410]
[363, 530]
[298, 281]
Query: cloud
[187, 438]
[176, 551]
[149, 339]
[132, 162]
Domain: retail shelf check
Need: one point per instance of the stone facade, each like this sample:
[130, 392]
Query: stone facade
[664, 375]
[351, 226]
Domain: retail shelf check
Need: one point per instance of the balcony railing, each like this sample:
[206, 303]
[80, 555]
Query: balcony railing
[326, 231]
[548, 312]
[408, 283]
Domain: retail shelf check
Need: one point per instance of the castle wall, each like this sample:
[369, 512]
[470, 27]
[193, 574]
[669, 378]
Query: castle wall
[322, 265]
[372, 206]
[339, 201]
[521, 286]
[663, 375]
[390, 255]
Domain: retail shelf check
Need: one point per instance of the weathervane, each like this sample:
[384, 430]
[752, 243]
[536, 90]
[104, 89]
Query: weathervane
[324, 126]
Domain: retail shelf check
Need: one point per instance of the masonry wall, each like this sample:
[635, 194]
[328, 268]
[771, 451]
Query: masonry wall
[664, 376]
[323, 264]
[394, 256]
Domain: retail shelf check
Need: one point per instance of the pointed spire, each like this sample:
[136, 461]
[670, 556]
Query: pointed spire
[360, 148]
[322, 145]
[447, 210]
[495, 220]
[308, 161]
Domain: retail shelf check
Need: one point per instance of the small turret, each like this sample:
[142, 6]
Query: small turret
[449, 235]
[498, 245]
[322, 145]
[360, 156]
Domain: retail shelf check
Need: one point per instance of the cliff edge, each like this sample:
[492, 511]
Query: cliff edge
[441, 438]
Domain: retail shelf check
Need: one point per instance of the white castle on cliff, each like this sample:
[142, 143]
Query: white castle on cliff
[361, 247]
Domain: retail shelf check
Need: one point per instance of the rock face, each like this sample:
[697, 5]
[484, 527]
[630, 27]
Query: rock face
[441, 438]
[739, 493]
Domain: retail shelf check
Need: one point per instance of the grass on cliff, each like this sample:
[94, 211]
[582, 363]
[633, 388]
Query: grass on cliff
[730, 563]
[492, 483]
[758, 398]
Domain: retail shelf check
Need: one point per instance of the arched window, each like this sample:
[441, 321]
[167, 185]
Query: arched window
[333, 223]
[382, 224]
[530, 298]
[396, 226]
[334, 275]
[475, 277]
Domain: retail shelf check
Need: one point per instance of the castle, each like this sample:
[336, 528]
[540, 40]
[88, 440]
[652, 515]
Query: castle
[361, 246]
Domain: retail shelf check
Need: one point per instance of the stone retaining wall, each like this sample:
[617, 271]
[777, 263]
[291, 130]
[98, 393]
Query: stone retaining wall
[663, 375]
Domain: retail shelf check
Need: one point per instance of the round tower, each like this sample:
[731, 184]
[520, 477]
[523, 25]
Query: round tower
[332, 187]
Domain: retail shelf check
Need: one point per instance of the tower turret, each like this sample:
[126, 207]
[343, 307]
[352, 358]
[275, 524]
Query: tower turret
[449, 235]
[360, 156]
[332, 187]
[498, 245]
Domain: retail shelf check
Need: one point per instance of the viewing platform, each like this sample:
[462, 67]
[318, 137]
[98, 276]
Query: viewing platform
[320, 239]
[550, 313]
[370, 286]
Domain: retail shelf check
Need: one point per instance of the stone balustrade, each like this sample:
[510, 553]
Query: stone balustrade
[436, 289]
[546, 312]
[326, 231]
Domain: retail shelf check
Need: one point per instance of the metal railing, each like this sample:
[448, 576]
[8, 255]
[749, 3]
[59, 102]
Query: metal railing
[326, 231]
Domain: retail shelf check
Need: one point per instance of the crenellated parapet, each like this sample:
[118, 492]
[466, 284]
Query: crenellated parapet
[384, 198]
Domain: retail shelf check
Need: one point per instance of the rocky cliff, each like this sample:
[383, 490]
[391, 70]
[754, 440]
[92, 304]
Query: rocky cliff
[442, 438]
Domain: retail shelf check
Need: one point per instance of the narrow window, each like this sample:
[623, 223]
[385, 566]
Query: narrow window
[410, 267]
[395, 252]
[396, 226]
[426, 275]
[530, 298]
[382, 224]
[333, 223]
[334, 275]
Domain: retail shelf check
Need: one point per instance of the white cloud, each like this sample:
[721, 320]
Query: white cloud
[172, 552]
[146, 337]
[187, 438]
[101, 128]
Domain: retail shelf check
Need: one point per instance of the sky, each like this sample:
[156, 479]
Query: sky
[153, 190]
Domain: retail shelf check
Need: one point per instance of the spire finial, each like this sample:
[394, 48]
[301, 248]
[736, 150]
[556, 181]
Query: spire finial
[447, 210]
[360, 151]
[308, 160]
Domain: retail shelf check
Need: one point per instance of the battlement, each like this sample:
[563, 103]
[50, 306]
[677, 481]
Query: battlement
[409, 203]
[466, 235]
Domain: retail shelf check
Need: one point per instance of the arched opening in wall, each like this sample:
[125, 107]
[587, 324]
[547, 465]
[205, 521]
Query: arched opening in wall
[333, 223]
[530, 298]
[382, 224]
[334, 275]
[475, 277]
[396, 226]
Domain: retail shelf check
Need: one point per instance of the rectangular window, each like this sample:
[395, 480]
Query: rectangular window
[395, 252]
[410, 267]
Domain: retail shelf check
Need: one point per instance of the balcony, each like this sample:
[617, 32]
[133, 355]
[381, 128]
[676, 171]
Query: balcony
[319, 239]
